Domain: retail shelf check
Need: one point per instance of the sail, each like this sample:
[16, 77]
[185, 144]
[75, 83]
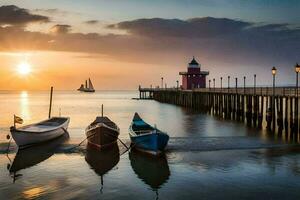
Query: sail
[91, 87]
[81, 87]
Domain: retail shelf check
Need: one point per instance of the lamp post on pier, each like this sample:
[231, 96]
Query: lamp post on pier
[254, 84]
[297, 70]
[209, 84]
[177, 82]
[228, 83]
[162, 82]
[274, 71]
[244, 84]
[221, 83]
[236, 84]
[214, 80]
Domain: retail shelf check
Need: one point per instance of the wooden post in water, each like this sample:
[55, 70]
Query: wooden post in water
[291, 117]
[286, 112]
[50, 106]
[280, 115]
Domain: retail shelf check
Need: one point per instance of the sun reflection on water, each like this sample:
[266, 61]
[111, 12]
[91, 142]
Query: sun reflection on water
[24, 107]
[33, 192]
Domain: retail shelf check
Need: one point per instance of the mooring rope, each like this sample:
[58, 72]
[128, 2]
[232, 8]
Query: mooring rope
[80, 143]
[111, 135]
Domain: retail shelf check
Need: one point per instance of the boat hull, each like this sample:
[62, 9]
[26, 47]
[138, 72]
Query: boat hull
[91, 91]
[152, 143]
[26, 138]
[101, 136]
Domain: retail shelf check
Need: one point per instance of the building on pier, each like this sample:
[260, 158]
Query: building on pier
[194, 77]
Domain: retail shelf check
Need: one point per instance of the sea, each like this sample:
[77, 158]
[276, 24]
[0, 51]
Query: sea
[207, 157]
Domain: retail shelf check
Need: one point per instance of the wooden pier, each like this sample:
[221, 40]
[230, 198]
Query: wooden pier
[274, 108]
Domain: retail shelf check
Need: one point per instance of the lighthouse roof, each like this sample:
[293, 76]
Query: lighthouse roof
[194, 62]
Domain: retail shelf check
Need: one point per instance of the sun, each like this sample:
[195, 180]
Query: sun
[24, 68]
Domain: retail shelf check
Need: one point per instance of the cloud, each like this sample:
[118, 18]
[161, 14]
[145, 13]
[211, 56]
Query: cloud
[225, 39]
[195, 27]
[54, 12]
[216, 41]
[60, 29]
[91, 22]
[13, 15]
[50, 11]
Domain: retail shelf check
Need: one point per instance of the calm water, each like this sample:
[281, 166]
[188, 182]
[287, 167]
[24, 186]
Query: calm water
[207, 158]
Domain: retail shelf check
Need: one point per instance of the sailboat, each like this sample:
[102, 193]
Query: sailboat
[88, 87]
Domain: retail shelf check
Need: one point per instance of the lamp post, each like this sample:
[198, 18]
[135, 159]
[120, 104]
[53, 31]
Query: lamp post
[236, 84]
[244, 84]
[214, 80]
[254, 84]
[228, 83]
[162, 82]
[209, 84]
[274, 71]
[297, 70]
[177, 82]
[221, 83]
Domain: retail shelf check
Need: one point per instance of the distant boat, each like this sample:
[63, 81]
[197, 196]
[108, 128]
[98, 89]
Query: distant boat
[88, 87]
[40, 132]
[147, 138]
[102, 132]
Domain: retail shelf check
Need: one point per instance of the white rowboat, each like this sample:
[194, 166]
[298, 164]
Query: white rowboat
[40, 132]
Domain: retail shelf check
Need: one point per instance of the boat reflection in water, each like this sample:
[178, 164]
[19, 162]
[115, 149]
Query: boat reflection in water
[154, 171]
[34, 155]
[102, 161]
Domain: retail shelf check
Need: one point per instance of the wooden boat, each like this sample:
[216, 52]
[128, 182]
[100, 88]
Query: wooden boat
[88, 87]
[147, 138]
[102, 132]
[40, 132]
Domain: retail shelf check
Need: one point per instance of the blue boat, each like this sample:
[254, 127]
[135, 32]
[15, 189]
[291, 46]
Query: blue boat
[147, 138]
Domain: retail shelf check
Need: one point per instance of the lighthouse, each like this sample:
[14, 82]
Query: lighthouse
[193, 77]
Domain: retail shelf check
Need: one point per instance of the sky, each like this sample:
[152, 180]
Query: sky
[121, 44]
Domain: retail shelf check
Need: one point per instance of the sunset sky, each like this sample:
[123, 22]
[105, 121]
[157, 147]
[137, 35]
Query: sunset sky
[120, 44]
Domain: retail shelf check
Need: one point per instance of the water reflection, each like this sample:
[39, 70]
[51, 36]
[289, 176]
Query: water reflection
[151, 170]
[32, 156]
[24, 105]
[102, 161]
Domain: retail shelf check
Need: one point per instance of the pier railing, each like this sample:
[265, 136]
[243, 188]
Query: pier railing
[262, 91]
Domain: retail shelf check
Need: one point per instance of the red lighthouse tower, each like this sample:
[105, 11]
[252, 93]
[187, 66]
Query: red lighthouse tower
[194, 77]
